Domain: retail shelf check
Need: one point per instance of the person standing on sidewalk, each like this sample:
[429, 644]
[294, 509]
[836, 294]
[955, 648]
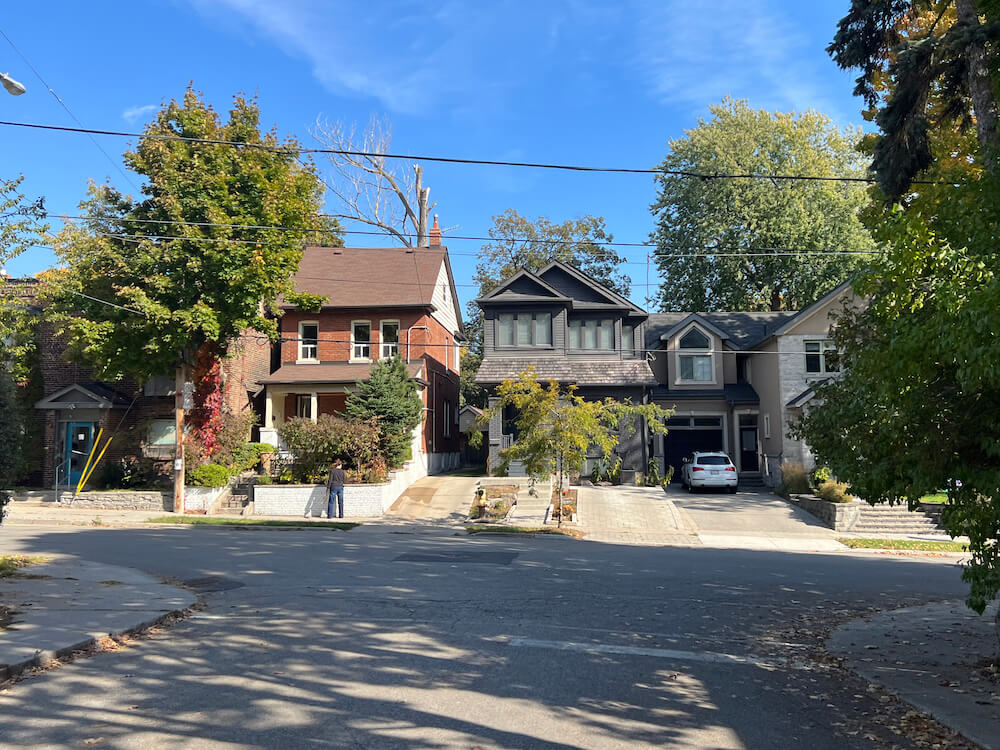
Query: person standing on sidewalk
[335, 488]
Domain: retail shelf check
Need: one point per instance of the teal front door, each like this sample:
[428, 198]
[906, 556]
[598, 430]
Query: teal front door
[79, 441]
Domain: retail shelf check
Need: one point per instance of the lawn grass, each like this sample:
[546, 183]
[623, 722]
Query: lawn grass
[484, 528]
[923, 545]
[218, 521]
[10, 564]
[938, 498]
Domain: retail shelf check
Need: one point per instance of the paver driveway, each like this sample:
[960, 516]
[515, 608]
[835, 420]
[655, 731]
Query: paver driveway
[632, 515]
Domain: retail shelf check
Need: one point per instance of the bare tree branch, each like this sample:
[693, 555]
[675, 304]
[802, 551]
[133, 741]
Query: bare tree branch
[369, 190]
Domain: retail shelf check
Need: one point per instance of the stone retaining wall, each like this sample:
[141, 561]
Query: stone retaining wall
[124, 500]
[838, 516]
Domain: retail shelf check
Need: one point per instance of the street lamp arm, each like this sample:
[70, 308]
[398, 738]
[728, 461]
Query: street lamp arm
[14, 88]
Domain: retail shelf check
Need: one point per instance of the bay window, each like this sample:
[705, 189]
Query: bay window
[524, 329]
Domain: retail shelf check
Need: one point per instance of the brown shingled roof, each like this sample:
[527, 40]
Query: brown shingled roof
[331, 372]
[567, 370]
[368, 277]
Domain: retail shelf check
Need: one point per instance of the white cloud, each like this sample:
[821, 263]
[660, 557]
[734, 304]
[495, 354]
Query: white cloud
[695, 53]
[134, 114]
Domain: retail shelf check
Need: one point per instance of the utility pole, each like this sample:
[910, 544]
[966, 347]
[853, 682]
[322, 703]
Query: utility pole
[180, 379]
[423, 206]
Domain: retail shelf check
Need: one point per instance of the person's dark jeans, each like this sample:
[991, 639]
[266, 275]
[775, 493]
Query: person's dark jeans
[338, 494]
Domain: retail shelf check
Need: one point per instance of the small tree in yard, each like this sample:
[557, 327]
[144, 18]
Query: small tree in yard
[557, 427]
[390, 396]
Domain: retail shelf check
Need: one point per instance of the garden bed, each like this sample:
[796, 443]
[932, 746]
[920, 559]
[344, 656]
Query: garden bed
[493, 503]
[567, 508]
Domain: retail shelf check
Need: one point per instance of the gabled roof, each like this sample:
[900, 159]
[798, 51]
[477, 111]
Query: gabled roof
[353, 277]
[743, 329]
[807, 395]
[504, 292]
[802, 314]
[693, 318]
[613, 298]
[84, 396]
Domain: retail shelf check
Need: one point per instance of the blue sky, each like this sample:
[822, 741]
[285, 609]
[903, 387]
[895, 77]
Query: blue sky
[577, 81]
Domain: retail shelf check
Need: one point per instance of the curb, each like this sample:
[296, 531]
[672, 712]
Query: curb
[44, 658]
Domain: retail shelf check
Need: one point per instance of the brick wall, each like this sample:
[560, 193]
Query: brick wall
[435, 345]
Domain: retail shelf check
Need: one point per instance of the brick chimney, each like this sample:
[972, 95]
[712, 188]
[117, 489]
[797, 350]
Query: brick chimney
[435, 234]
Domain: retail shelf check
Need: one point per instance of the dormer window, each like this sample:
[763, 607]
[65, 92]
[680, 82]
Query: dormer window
[694, 359]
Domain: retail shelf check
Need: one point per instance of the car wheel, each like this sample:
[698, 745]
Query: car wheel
[690, 488]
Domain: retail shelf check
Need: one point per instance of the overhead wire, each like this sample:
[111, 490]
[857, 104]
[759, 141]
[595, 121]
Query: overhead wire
[457, 160]
[63, 104]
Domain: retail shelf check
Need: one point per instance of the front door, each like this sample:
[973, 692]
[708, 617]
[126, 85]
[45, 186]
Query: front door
[79, 441]
[748, 443]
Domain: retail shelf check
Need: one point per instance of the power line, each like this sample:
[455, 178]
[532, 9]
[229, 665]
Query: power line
[294, 151]
[721, 250]
[66, 107]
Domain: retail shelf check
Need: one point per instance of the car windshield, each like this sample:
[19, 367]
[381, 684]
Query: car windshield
[713, 461]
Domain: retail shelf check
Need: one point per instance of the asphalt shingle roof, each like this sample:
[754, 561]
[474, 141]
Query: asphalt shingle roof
[743, 328]
[566, 370]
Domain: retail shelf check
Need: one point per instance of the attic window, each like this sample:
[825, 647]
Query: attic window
[694, 339]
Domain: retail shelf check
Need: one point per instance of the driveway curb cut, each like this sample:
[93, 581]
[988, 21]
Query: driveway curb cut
[44, 658]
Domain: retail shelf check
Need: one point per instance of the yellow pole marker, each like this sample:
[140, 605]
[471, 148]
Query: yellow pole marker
[99, 457]
[86, 466]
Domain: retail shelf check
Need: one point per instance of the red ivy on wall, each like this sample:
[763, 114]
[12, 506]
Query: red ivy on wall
[206, 416]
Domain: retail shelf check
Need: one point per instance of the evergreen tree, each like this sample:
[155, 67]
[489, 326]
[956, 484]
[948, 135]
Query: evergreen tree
[390, 396]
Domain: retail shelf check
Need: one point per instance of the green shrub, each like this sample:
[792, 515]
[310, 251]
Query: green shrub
[316, 444]
[794, 478]
[263, 479]
[653, 477]
[209, 475]
[835, 492]
[821, 474]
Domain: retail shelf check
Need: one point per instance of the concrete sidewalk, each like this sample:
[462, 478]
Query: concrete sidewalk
[932, 656]
[64, 605]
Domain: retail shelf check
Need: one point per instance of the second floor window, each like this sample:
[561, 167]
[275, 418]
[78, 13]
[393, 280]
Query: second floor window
[390, 338]
[691, 366]
[821, 357]
[308, 341]
[524, 329]
[361, 340]
[592, 334]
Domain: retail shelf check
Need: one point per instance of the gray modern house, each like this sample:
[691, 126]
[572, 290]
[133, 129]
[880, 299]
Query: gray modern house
[735, 380]
[571, 329]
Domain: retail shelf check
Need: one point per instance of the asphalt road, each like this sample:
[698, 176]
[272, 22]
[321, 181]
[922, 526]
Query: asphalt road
[406, 637]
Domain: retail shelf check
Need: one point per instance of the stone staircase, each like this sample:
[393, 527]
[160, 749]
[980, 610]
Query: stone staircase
[752, 482]
[516, 469]
[237, 500]
[897, 519]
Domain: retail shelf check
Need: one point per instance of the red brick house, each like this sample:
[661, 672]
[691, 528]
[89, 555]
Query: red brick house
[379, 302]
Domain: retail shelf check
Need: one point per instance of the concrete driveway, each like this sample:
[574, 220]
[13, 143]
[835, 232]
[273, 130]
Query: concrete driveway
[434, 500]
[752, 519]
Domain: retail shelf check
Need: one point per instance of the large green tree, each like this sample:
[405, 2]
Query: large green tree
[390, 397]
[927, 67]
[915, 410]
[518, 242]
[709, 232]
[138, 295]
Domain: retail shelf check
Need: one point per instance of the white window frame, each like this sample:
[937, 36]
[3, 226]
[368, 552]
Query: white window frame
[313, 403]
[302, 342]
[385, 353]
[355, 344]
[825, 345]
[458, 355]
[680, 353]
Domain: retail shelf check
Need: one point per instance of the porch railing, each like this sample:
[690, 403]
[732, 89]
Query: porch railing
[506, 441]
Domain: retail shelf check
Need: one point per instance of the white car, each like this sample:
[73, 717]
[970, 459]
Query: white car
[709, 469]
